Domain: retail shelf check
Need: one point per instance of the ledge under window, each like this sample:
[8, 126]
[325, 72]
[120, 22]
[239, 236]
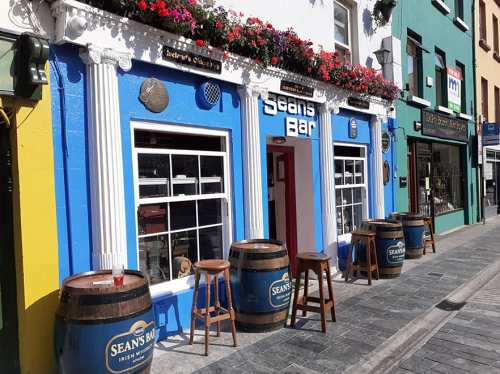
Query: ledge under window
[484, 45]
[496, 56]
[464, 116]
[417, 101]
[443, 109]
[443, 8]
[460, 24]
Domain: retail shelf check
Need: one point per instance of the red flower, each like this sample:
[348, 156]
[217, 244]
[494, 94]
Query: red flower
[142, 5]
[153, 6]
[254, 44]
[219, 25]
[230, 36]
[344, 74]
[365, 88]
[257, 61]
[160, 4]
[250, 32]
[261, 41]
[274, 61]
[200, 43]
[162, 12]
[309, 70]
[211, 51]
[241, 14]
[226, 56]
[347, 86]
[353, 75]
[269, 26]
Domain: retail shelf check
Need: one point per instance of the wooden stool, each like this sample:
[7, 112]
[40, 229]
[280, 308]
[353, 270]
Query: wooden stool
[428, 221]
[212, 268]
[317, 262]
[367, 237]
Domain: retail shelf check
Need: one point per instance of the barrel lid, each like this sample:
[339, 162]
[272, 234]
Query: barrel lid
[84, 282]
[392, 223]
[254, 244]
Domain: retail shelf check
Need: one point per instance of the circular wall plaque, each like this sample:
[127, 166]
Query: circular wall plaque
[386, 141]
[154, 95]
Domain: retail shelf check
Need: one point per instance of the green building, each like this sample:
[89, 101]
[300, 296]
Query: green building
[436, 148]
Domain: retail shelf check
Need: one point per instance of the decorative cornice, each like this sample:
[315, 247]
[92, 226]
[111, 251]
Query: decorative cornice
[329, 108]
[95, 54]
[252, 91]
[378, 119]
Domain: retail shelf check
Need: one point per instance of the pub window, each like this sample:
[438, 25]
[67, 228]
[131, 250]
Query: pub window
[447, 178]
[459, 9]
[497, 104]
[482, 20]
[341, 16]
[414, 57]
[484, 99]
[495, 34]
[181, 200]
[461, 68]
[441, 77]
[351, 180]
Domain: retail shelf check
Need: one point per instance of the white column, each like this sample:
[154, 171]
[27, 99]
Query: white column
[252, 178]
[328, 209]
[107, 198]
[378, 178]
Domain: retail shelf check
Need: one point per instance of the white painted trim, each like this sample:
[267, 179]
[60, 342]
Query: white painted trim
[378, 178]
[464, 116]
[461, 24]
[419, 101]
[443, 109]
[441, 6]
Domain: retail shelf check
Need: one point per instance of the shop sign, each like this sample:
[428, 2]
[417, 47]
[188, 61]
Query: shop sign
[190, 59]
[293, 126]
[353, 128]
[358, 103]
[479, 147]
[296, 88]
[386, 141]
[490, 134]
[454, 89]
[439, 126]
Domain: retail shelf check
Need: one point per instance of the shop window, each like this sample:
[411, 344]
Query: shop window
[181, 202]
[413, 53]
[484, 99]
[341, 16]
[461, 68]
[440, 80]
[482, 20]
[447, 178]
[351, 180]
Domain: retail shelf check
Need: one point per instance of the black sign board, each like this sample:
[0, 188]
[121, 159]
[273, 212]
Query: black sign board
[358, 103]
[296, 88]
[188, 58]
[434, 124]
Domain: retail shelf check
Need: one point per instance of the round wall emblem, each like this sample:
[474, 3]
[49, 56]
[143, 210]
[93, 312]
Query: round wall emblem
[154, 95]
[386, 141]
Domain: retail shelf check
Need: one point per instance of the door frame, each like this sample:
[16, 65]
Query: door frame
[290, 199]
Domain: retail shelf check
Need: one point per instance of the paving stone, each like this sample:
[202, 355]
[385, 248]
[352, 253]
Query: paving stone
[252, 367]
[486, 369]
[449, 360]
[446, 369]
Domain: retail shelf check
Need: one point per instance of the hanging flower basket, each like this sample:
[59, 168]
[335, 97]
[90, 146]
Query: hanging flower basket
[386, 11]
[382, 11]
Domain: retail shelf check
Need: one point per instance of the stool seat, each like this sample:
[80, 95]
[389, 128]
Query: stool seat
[364, 233]
[313, 256]
[368, 238]
[212, 265]
[318, 263]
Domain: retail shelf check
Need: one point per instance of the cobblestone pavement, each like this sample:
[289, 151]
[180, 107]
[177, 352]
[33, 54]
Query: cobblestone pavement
[367, 317]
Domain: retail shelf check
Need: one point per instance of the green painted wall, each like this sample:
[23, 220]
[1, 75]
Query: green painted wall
[436, 31]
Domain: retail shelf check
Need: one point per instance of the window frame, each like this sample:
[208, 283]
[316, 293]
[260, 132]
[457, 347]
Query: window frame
[176, 285]
[461, 68]
[484, 99]
[416, 70]
[439, 55]
[495, 34]
[347, 47]
[482, 21]
[364, 185]
[497, 104]
[459, 9]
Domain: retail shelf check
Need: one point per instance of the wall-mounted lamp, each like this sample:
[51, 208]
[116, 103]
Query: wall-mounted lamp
[382, 56]
[279, 140]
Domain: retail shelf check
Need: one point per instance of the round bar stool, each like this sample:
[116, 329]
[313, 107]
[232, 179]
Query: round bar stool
[212, 268]
[368, 238]
[428, 221]
[317, 262]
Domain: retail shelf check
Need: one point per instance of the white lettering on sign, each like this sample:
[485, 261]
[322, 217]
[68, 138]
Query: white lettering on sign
[296, 127]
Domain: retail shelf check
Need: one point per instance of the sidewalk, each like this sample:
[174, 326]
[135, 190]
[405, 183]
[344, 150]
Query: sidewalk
[371, 320]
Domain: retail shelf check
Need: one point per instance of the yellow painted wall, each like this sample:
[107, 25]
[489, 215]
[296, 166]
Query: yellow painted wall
[35, 231]
[487, 66]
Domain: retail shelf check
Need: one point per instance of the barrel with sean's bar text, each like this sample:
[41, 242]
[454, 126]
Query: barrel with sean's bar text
[413, 228]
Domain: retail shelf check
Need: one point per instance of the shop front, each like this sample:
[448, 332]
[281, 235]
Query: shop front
[491, 174]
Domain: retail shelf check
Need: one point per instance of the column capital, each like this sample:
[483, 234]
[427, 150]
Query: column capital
[329, 108]
[378, 119]
[253, 91]
[96, 54]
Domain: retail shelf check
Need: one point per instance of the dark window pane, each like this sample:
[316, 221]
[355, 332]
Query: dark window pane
[447, 178]
[154, 174]
[154, 258]
[209, 212]
[184, 246]
[167, 140]
[211, 243]
[185, 172]
[212, 174]
[152, 218]
[182, 215]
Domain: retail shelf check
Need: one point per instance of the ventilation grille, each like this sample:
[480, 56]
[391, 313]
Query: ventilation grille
[212, 93]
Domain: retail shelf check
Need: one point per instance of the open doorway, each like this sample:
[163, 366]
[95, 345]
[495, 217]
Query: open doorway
[281, 198]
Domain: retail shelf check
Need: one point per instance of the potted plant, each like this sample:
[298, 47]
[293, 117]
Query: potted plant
[382, 11]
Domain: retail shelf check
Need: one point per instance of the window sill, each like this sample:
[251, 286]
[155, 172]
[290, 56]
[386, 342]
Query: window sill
[484, 45]
[174, 286]
[464, 116]
[449, 212]
[442, 7]
[442, 109]
[496, 56]
[460, 24]
[419, 102]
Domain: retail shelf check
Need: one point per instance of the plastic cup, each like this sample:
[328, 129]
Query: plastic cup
[118, 274]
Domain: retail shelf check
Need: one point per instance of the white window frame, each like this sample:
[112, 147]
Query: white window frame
[176, 285]
[364, 186]
[349, 29]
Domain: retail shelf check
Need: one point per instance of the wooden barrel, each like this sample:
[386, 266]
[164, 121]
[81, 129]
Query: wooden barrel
[390, 246]
[261, 284]
[103, 329]
[413, 228]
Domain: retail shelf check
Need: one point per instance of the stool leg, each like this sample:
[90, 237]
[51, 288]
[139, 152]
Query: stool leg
[349, 262]
[230, 306]
[432, 238]
[208, 284]
[356, 258]
[194, 308]
[322, 298]
[306, 290]
[296, 295]
[368, 261]
[330, 292]
[373, 247]
[217, 303]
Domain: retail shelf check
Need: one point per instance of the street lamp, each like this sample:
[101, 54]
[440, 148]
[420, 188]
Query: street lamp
[382, 55]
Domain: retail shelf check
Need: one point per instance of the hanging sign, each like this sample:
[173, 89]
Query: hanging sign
[353, 128]
[358, 103]
[188, 58]
[454, 89]
[386, 141]
[296, 88]
[490, 134]
[479, 147]
[444, 127]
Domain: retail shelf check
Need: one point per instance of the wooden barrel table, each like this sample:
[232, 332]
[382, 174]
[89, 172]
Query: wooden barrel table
[413, 228]
[260, 284]
[390, 246]
[102, 328]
